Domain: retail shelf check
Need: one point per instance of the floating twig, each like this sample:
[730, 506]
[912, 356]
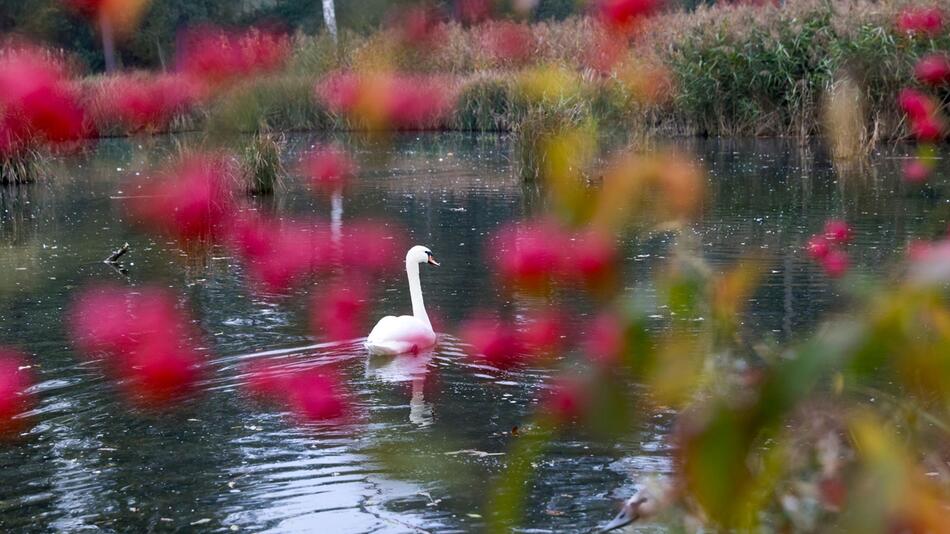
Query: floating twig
[114, 258]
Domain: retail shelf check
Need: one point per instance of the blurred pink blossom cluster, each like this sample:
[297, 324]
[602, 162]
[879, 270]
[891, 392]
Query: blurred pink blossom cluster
[388, 100]
[826, 248]
[924, 21]
[137, 102]
[215, 56]
[15, 398]
[143, 338]
[311, 394]
[533, 255]
[41, 105]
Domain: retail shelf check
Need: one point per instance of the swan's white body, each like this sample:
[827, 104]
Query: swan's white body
[406, 333]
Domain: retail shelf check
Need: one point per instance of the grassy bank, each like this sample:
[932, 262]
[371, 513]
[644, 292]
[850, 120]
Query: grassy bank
[720, 71]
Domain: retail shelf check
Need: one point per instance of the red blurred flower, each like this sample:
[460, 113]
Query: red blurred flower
[340, 91]
[314, 395]
[115, 320]
[915, 104]
[593, 259]
[388, 101]
[267, 380]
[373, 246]
[530, 255]
[927, 129]
[915, 171]
[39, 101]
[328, 167]
[837, 231]
[624, 15]
[339, 311]
[146, 103]
[191, 201]
[216, 56]
[606, 339]
[147, 340]
[818, 247]
[544, 332]
[506, 42]
[14, 396]
[605, 52]
[280, 253]
[917, 20]
[933, 69]
[566, 400]
[836, 263]
[471, 11]
[417, 102]
[419, 27]
[310, 394]
[493, 342]
[162, 368]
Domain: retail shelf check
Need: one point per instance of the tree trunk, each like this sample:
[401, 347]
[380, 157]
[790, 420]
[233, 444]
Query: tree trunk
[329, 18]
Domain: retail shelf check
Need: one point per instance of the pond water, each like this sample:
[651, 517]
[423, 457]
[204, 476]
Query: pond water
[223, 462]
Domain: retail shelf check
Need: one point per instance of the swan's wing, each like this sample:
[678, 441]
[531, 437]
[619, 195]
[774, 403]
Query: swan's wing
[396, 335]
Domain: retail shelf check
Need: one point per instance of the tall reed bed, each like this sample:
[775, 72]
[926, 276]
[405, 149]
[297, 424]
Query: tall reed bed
[733, 70]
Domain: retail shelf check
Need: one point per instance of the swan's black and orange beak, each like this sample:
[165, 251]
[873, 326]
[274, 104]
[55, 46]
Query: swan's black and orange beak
[431, 260]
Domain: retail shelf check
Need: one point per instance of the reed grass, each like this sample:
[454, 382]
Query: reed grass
[23, 167]
[261, 167]
[737, 70]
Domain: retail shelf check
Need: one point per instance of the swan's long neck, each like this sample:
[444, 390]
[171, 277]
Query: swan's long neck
[415, 293]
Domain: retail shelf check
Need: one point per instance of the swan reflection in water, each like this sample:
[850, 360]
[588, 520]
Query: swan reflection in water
[405, 368]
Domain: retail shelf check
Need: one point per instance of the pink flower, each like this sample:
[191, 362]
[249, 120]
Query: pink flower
[493, 342]
[837, 231]
[161, 369]
[191, 201]
[416, 102]
[420, 28]
[836, 263]
[472, 11]
[933, 69]
[339, 311]
[916, 20]
[915, 171]
[216, 56]
[529, 255]
[280, 254]
[624, 15]
[927, 129]
[373, 246]
[340, 92]
[566, 400]
[146, 339]
[506, 42]
[388, 101]
[916, 104]
[267, 380]
[328, 168]
[315, 395]
[544, 332]
[818, 247]
[606, 339]
[593, 259]
[15, 399]
[142, 103]
[39, 102]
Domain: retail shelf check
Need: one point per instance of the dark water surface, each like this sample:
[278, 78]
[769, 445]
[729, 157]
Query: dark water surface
[225, 463]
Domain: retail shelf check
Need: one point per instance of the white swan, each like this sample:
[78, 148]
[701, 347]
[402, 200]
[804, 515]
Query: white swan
[406, 333]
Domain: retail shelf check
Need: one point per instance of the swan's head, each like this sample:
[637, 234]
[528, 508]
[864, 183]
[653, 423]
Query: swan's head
[420, 254]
